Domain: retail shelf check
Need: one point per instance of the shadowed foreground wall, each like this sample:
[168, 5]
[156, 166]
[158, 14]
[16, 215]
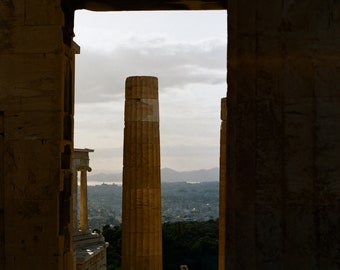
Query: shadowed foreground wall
[283, 149]
[36, 108]
[283, 173]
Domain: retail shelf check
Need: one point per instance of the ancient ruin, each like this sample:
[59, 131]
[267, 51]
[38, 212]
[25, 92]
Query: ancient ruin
[283, 147]
[141, 213]
[89, 248]
[81, 164]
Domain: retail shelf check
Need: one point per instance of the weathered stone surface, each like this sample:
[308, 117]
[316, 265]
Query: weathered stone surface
[81, 163]
[279, 215]
[141, 214]
[43, 13]
[2, 192]
[222, 187]
[36, 198]
[90, 250]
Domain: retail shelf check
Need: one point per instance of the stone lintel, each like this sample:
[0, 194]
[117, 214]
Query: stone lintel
[131, 5]
[83, 150]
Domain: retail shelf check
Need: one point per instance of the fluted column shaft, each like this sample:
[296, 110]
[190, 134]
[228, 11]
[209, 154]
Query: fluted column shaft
[223, 188]
[83, 201]
[141, 217]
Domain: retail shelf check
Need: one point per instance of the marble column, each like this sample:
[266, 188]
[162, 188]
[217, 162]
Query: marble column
[83, 225]
[141, 217]
[222, 187]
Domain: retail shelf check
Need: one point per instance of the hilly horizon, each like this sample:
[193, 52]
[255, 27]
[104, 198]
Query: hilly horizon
[167, 175]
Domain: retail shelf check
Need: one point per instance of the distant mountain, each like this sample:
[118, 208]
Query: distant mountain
[168, 175]
[105, 177]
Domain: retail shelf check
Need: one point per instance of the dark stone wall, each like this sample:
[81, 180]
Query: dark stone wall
[36, 130]
[283, 135]
[111, 5]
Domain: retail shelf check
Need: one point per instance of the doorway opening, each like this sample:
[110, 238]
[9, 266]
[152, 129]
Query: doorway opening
[186, 50]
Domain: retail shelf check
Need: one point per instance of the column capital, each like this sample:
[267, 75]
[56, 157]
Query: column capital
[84, 168]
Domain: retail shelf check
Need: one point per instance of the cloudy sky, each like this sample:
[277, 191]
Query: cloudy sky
[185, 50]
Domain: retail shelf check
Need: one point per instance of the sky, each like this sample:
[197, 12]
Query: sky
[186, 50]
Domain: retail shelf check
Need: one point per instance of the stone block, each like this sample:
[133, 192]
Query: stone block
[39, 12]
[307, 18]
[34, 184]
[297, 77]
[328, 235]
[299, 236]
[41, 103]
[142, 131]
[32, 213]
[30, 75]
[40, 239]
[142, 155]
[223, 115]
[244, 241]
[246, 83]
[266, 82]
[326, 84]
[138, 177]
[40, 125]
[35, 100]
[39, 262]
[145, 110]
[327, 146]
[269, 143]
[141, 87]
[9, 102]
[335, 17]
[32, 154]
[243, 19]
[299, 148]
[26, 68]
[244, 122]
[268, 22]
[12, 13]
[269, 236]
[36, 39]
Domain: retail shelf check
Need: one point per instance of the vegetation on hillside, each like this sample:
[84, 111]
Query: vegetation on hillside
[193, 243]
[181, 201]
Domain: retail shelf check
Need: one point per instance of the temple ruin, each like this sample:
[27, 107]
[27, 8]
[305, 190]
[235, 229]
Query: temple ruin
[282, 148]
[89, 248]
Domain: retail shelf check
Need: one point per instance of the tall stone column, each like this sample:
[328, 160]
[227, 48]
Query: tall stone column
[223, 187]
[83, 225]
[141, 217]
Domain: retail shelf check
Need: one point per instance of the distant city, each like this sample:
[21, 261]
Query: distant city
[186, 196]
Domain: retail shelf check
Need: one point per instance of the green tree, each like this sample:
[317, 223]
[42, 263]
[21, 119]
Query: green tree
[113, 235]
[192, 243]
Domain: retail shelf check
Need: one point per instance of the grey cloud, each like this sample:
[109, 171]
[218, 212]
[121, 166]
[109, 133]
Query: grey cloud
[109, 152]
[100, 76]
